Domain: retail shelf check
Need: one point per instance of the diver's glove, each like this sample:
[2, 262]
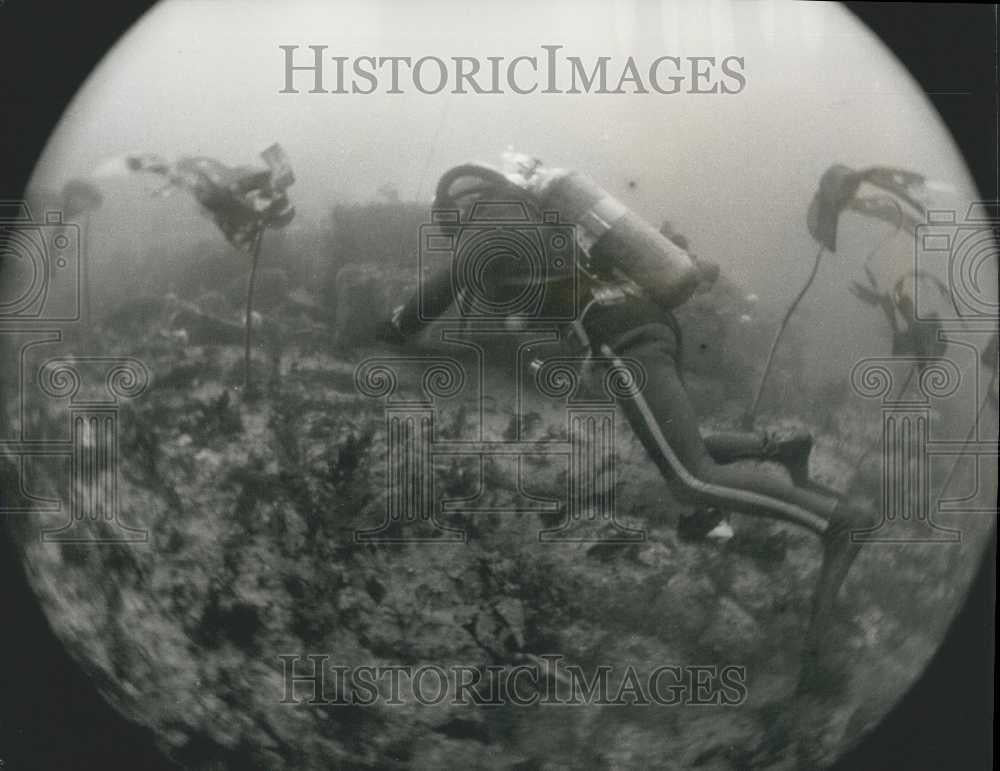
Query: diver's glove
[391, 330]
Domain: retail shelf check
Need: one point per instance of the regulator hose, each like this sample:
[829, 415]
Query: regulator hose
[492, 184]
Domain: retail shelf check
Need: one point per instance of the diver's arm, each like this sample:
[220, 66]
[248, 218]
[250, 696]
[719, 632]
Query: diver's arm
[426, 305]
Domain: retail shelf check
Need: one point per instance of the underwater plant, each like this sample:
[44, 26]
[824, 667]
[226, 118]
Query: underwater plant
[838, 192]
[910, 336]
[241, 201]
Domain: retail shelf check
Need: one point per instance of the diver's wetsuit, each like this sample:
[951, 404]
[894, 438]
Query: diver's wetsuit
[643, 332]
[696, 467]
[640, 330]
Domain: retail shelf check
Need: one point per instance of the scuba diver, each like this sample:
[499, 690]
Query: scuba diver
[627, 278]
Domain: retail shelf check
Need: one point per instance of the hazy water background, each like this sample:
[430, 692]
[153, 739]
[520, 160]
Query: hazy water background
[733, 172]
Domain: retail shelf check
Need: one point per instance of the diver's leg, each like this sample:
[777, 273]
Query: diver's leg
[791, 451]
[662, 417]
[665, 422]
[818, 672]
[728, 447]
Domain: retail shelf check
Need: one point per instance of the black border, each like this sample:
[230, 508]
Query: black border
[50, 716]
[946, 719]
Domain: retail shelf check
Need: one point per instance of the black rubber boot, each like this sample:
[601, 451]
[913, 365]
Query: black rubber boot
[793, 453]
[698, 523]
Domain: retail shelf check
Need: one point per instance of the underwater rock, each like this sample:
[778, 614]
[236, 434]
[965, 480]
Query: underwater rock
[203, 634]
[733, 634]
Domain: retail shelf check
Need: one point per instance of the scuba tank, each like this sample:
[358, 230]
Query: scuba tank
[613, 239]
